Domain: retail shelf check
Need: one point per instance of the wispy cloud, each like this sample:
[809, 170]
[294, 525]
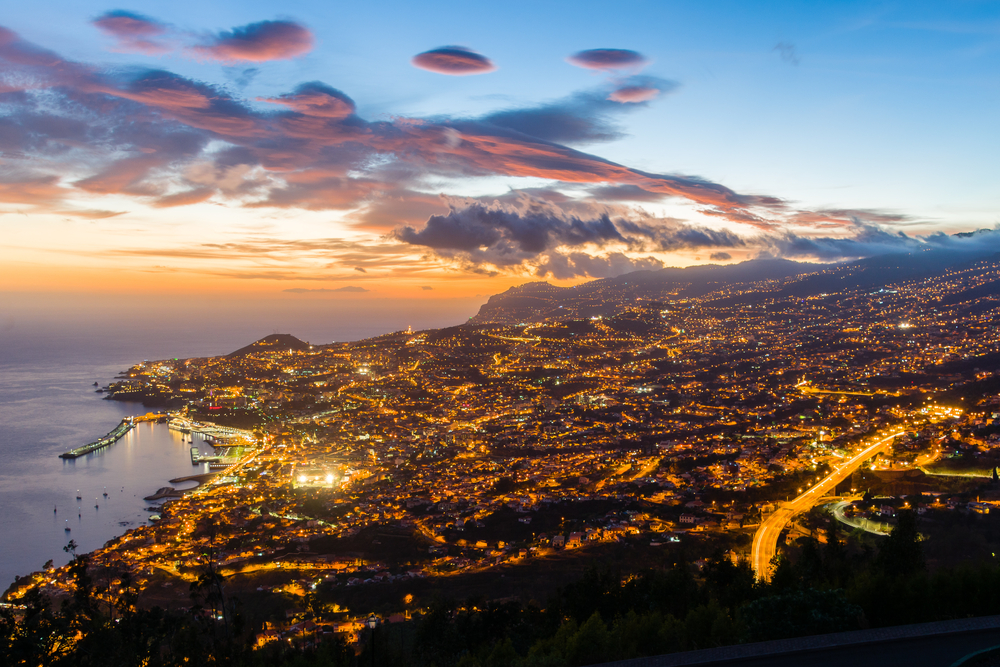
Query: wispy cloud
[788, 53]
[315, 154]
[581, 118]
[634, 94]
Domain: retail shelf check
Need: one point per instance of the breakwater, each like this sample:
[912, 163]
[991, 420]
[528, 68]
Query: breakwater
[126, 425]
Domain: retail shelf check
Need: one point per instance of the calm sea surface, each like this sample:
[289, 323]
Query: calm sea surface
[48, 406]
[46, 410]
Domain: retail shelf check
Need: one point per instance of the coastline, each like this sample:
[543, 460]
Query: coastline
[91, 499]
[48, 406]
[165, 494]
[169, 492]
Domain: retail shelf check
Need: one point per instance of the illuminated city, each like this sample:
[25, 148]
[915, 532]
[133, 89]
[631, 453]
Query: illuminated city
[666, 422]
[484, 336]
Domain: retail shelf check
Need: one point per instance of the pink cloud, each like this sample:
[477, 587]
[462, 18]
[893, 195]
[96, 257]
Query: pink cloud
[134, 32]
[121, 177]
[608, 59]
[313, 151]
[317, 145]
[259, 42]
[634, 94]
[30, 189]
[185, 198]
[316, 99]
[453, 60]
[845, 217]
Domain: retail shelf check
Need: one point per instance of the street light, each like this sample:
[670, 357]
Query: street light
[372, 622]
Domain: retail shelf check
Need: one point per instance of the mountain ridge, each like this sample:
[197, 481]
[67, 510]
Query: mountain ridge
[539, 300]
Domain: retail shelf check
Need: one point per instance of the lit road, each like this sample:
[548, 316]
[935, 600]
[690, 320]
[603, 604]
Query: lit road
[863, 524]
[765, 542]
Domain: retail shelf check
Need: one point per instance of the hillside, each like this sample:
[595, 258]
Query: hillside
[271, 343]
[540, 301]
[745, 283]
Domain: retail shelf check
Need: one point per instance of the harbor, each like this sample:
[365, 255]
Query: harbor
[230, 440]
[44, 495]
[215, 434]
[126, 425]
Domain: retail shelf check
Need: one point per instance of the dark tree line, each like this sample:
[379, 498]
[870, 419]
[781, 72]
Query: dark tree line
[830, 587]
[606, 615]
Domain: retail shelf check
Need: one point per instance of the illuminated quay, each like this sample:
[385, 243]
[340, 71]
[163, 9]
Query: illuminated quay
[126, 425]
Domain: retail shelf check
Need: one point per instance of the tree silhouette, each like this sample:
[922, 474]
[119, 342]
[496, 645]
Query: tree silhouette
[901, 554]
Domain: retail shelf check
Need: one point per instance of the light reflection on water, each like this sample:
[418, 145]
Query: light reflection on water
[52, 350]
[42, 416]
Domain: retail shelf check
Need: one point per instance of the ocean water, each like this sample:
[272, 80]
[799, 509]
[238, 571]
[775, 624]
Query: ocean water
[44, 412]
[50, 356]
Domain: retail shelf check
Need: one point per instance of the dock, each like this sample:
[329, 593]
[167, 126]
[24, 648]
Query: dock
[111, 438]
[214, 434]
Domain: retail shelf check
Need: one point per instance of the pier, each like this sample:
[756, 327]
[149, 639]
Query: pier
[111, 438]
[214, 434]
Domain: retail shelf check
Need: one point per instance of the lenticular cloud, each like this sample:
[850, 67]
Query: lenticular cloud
[134, 32]
[255, 42]
[634, 94]
[316, 99]
[258, 42]
[608, 59]
[453, 60]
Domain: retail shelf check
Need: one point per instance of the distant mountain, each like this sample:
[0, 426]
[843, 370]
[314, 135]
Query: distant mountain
[877, 272]
[540, 300]
[272, 343]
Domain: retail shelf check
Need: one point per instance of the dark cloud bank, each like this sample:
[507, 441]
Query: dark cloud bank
[544, 238]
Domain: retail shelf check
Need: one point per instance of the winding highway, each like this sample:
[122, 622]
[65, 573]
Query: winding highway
[765, 541]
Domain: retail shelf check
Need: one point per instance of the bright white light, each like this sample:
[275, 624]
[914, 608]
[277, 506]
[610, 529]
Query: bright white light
[329, 479]
[303, 479]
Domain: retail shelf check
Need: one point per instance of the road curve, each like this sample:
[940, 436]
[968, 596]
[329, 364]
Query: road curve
[765, 541]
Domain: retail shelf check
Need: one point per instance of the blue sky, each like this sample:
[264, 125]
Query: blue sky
[828, 129]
